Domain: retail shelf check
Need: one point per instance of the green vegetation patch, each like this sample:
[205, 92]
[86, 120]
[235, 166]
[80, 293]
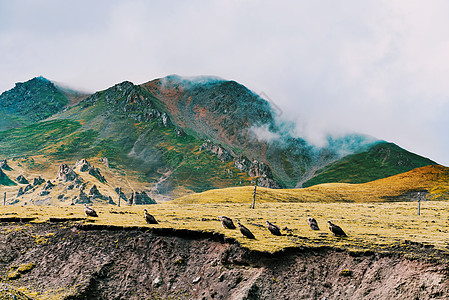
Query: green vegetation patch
[380, 161]
[34, 138]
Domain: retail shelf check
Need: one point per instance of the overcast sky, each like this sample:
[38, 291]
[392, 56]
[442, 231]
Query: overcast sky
[374, 67]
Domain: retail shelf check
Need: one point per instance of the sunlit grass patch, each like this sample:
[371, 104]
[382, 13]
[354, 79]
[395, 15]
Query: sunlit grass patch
[369, 226]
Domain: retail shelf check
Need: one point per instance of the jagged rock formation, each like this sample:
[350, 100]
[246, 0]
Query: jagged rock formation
[20, 192]
[4, 165]
[253, 168]
[95, 172]
[85, 166]
[28, 188]
[48, 185]
[21, 179]
[65, 173]
[38, 181]
[218, 150]
[142, 199]
[4, 179]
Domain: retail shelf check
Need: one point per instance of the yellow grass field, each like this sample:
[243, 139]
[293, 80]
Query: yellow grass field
[370, 226]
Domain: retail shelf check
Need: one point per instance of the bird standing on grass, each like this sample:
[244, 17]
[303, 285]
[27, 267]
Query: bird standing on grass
[90, 212]
[149, 218]
[336, 230]
[245, 231]
[273, 228]
[227, 222]
[313, 223]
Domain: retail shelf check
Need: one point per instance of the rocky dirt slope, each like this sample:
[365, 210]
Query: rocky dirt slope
[65, 261]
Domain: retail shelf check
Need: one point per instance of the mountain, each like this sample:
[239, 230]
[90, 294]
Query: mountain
[174, 135]
[29, 102]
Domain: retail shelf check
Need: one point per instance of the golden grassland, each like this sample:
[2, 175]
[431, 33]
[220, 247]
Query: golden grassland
[434, 180]
[370, 226]
[365, 211]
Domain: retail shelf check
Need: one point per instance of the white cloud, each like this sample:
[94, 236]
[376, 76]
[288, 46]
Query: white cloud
[376, 67]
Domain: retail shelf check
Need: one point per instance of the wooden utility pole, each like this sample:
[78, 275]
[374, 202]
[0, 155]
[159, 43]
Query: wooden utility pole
[4, 199]
[254, 196]
[419, 203]
[119, 195]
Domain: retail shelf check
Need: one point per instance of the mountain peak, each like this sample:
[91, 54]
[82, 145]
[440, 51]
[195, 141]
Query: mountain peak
[30, 101]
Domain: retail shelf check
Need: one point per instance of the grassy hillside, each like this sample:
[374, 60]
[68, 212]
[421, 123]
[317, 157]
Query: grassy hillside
[29, 102]
[433, 180]
[379, 161]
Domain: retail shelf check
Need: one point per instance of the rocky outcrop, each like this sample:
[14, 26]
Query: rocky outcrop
[83, 165]
[38, 181]
[20, 192]
[65, 173]
[4, 165]
[121, 194]
[21, 179]
[218, 150]
[48, 186]
[253, 168]
[28, 188]
[142, 199]
[95, 172]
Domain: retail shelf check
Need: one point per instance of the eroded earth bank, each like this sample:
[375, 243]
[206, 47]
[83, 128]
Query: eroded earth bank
[64, 261]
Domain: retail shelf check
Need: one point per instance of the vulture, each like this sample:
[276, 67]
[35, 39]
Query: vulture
[312, 223]
[227, 222]
[274, 229]
[149, 218]
[336, 230]
[245, 231]
[90, 212]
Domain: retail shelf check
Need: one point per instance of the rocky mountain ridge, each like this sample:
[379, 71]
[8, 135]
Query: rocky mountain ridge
[189, 135]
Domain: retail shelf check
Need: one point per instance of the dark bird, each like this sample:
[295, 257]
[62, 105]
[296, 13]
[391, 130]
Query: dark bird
[90, 212]
[273, 228]
[227, 222]
[245, 231]
[336, 230]
[313, 223]
[149, 218]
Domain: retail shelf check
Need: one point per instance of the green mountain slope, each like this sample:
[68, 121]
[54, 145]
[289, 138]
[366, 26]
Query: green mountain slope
[29, 102]
[188, 135]
[379, 161]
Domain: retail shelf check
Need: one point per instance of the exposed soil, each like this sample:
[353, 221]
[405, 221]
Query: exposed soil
[92, 262]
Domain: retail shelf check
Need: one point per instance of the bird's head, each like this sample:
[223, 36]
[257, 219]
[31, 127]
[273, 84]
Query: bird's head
[145, 210]
[328, 221]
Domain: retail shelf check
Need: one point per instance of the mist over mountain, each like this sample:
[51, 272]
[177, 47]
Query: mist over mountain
[180, 134]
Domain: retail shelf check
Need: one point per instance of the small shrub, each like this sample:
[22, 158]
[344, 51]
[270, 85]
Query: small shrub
[346, 273]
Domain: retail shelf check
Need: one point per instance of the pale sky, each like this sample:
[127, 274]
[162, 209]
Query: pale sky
[375, 67]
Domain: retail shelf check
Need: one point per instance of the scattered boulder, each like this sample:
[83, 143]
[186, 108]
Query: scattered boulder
[44, 193]
[38, 181]
[48, 186]
[105, 161]
[83, 164]
[4, 165]
[142, 199]
[65, 173]
[27, 188]
[94, 192]
[21, 179]
[83, 198]
[95, 172]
